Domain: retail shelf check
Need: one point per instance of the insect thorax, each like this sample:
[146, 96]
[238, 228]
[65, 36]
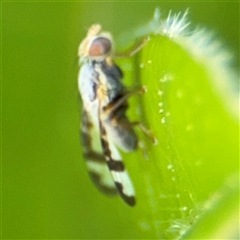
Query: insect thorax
[99, 76]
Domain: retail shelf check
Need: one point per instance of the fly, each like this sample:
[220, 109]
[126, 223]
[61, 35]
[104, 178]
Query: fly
[105, 126]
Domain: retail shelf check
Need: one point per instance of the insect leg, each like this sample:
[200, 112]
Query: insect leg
[133, 50]
[116, 104]
[145, 130]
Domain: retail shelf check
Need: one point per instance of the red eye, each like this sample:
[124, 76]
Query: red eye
[99, 47]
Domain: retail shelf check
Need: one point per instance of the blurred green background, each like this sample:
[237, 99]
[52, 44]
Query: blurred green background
[46, 190]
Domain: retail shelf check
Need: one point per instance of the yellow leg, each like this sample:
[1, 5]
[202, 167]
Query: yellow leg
[135, 49]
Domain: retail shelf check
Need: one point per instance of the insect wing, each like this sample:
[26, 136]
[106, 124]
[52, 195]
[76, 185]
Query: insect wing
[116, 167]
[93, 155]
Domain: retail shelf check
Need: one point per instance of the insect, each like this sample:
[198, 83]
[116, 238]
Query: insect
[105, 126]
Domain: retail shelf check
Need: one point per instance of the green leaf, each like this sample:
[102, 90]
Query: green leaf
[195, 124]
[220, 218]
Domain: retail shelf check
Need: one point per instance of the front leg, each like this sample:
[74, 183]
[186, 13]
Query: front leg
[132, 51]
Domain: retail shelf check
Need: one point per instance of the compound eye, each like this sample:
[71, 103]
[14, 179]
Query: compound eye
[99, 47]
